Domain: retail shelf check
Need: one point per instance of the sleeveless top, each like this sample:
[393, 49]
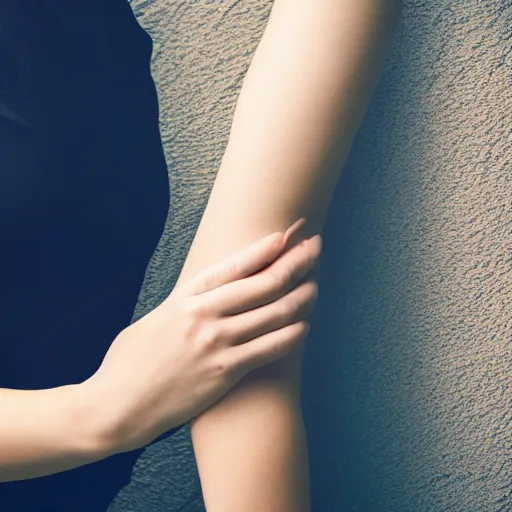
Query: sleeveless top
[84, 196]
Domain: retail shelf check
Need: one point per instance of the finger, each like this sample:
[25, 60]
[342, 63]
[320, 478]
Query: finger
[315, 270]
[266, 349]
[266, 286]
[290, 233]
[243, 263]
[295, 306]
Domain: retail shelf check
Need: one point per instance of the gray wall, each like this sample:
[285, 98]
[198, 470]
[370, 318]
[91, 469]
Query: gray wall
[407, 370]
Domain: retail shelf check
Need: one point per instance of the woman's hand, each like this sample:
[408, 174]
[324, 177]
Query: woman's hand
[175, 362]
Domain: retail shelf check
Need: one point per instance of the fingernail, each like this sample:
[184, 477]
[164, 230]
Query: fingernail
[294, 227]
[292, 230]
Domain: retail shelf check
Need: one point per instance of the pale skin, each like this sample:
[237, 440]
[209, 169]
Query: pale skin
[303, 98]
[302, 101]
[245, 311]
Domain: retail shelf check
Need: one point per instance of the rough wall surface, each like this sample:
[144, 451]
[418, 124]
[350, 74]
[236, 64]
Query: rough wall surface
[407, 380]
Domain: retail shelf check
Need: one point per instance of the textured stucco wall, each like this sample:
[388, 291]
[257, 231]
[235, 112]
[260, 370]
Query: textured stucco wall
[407, 371]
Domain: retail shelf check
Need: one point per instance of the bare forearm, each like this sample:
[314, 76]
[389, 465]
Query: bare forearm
[301, 103]
[46, 431]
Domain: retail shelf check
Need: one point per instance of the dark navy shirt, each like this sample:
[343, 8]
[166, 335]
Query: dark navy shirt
[84, 197]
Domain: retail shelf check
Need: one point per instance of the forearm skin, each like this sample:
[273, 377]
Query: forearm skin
[302, 100]
[49, 430]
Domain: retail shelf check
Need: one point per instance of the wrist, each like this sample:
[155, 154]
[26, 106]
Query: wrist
[93, 420]
[110, 423]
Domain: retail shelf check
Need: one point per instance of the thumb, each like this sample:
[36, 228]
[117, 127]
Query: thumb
[242, 264]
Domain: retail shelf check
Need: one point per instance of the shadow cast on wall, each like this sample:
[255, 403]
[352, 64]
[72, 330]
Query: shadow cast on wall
[406, 376]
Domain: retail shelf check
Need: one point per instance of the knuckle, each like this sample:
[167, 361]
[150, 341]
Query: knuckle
[280, 279]
[232, 269]
[195, 308]
[221, 273]
[194, 318]
[208, 335]
[287, 310]
[294, 307]
[209, 279]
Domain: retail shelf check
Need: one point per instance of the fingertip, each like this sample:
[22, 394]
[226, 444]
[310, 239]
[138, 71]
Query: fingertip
[277, 242]
[317, 240]
[295, 228]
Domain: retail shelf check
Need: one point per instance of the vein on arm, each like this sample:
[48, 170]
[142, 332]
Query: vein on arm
[302, 100]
